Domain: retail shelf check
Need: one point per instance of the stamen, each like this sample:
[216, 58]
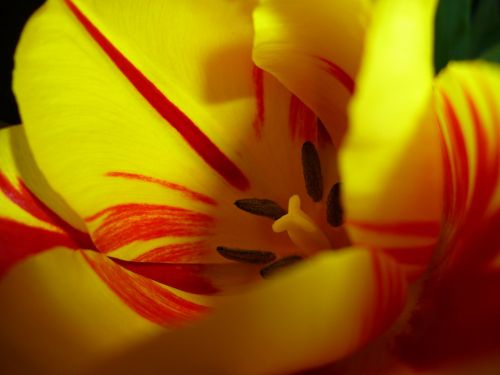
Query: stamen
[246, 256]
[261, 207]
[311, 168]
[269, 270]
[334, 211]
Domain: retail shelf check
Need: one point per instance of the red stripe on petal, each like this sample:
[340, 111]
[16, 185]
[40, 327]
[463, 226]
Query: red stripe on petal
[302, 121]
[25, 199]
[388, 296]
[391, 292]
[177, 252]
[169, 185]
[258, 81]
[447, 176]
[487, 168]
[457, 313]
[339, 74]
[470, 186]
[190, 277]
[417, 255]
[460, 162]
[205, 148]
[375, 321]
[19, 241]
[145, 296]
[474, 241]
[410, 228]
[126, 223]
[408, 255]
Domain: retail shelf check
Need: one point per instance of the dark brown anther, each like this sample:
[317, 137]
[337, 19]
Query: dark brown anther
[334, 211]
[261, 207]
[271, 269]
[311, 168]
[246, 256]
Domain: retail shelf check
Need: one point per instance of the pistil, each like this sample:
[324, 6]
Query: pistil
[301, 229]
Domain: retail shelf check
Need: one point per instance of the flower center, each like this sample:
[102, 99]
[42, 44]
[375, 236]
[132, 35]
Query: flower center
[301, 229]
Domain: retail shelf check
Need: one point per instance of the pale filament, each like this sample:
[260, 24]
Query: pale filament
[301, 229]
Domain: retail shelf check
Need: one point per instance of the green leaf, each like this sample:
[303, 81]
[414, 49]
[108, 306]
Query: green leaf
[492, 54]
[452, 26]
[466, 30]
[485, 30]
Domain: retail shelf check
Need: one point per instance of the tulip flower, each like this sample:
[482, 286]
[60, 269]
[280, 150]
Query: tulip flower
[230, 187]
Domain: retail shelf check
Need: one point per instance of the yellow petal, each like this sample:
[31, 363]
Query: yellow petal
[33, 217]
[29, 226]
[314, 49]
[124, 153]
[81, 94]
[56, 312]
[390, 162]
[57, 315]
[16, 161]
[313, 313]
[458, 314]
[466, 100]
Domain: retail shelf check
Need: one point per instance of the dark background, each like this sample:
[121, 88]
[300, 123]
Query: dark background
[13, 15]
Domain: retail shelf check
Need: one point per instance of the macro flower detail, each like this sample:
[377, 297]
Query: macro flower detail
[247, 187]
[180, 264]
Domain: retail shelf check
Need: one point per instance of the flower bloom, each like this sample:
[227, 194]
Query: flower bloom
[175, 154]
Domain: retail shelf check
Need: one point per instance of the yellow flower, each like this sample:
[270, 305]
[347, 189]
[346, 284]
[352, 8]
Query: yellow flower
[172, 155]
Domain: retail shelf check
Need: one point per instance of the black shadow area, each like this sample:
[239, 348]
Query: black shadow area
[13, 16]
